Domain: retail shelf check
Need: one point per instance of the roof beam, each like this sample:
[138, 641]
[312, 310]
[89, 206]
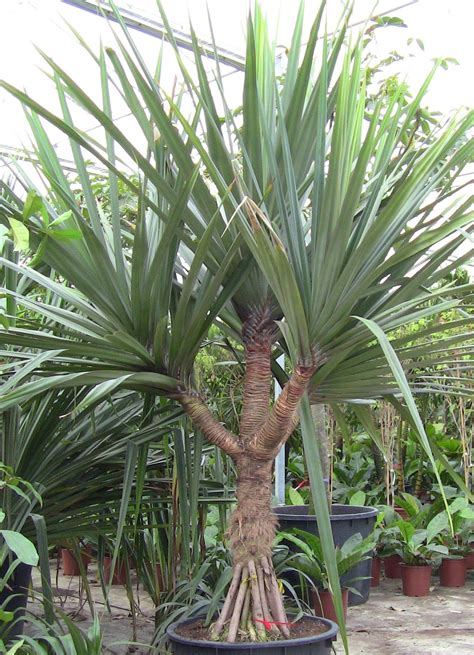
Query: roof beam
[158, 30]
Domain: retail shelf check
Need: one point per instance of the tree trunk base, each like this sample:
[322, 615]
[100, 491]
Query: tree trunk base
[253, 607]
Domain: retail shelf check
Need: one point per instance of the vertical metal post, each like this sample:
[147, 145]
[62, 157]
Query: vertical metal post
[280, 477]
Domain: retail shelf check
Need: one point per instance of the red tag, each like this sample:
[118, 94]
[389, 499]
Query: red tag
[268, 624]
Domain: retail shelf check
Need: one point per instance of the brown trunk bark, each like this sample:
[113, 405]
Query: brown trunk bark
[257, 384]
[253, 523]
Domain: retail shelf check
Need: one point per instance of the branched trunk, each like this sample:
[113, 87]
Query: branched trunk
[257, 382]
[280, 422]
[202, 418]
[253, 608]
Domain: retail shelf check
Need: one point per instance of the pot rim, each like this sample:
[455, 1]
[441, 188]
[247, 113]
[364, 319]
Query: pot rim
[359, 512]
[327, 591]
[416, 566]
[331, 632]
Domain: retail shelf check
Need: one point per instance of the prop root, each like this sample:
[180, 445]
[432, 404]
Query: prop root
[253, 608]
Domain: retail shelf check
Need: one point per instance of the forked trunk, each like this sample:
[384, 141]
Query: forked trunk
[253, 607]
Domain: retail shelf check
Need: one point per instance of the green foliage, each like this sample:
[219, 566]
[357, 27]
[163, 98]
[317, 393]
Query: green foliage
[63, 638]
[310, 561]
[355, 479]
[15, 548]
[417, 547]
[462, 517]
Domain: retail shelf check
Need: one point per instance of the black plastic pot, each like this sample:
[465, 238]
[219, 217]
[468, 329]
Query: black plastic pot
[317, 645]
[346, 520]
[14, 598]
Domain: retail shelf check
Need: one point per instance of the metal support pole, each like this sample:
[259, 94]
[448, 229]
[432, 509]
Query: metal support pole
[280, 477]
[154, 28]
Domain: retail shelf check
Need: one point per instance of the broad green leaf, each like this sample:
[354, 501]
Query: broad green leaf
[437, 524]
[467, 514]
[21, 236]
[295, 497]
[33, 205]
[358, 498]
[6, 617]
[21, 546]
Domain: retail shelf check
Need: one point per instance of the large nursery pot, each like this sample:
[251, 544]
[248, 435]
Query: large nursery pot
[416, 580]
[318, 644]
[323, 604]
[346, 520]
[14, 598]
[452, 572]
[392, 566]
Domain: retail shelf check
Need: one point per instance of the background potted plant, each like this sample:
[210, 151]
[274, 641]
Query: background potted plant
[114, 560]
[386, 548]
[346, 520]
[454, 534]
[418, 552]
[453, 567]
[309, 561]
[72, 553]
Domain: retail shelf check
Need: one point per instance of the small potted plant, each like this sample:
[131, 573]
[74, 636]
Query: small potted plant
[386, 549]
[452, 571]
[455, 535]
[309, 562]
[418, 552]
[70, 555]
[120, 571]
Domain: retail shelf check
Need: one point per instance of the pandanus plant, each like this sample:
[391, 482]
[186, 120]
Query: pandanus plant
[307, 221]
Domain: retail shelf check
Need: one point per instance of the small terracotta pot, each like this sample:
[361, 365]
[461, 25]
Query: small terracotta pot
[416, 580]
[470, 559]
[71, 565]
[452, 573]
[376, 566]
[392, 566]
[324, 607]
[120, 573]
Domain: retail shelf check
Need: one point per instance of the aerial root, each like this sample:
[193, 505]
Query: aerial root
[253, 607]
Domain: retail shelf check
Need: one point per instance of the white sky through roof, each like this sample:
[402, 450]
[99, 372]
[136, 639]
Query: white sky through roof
[444, 27]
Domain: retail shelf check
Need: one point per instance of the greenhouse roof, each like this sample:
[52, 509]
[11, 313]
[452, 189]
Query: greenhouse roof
[444, 30]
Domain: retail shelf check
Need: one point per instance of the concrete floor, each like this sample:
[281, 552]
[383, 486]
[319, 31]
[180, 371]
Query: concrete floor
[116, 625]
[393, 624]
[388, 624]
